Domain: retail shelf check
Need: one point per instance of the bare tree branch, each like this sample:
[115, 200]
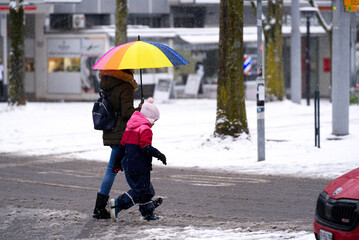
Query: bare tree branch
[327, 27]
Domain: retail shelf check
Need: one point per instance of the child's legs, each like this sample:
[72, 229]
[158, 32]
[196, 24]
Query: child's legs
[143, 192]
[141, 188]
[109, 177]
[131, 197]
[125, 201]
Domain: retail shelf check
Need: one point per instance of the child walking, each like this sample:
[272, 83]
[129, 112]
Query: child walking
[135, 159]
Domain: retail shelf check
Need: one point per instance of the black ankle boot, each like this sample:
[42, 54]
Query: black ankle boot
[100, 211]
[157, 202]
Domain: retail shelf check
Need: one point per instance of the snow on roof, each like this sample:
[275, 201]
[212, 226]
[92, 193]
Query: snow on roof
[200, 35]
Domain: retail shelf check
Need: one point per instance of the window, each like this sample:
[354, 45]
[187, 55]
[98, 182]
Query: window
[59, 64]
[154, 20]
[190, 17]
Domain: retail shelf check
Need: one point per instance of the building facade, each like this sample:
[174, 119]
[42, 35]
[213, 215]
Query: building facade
[64, 39]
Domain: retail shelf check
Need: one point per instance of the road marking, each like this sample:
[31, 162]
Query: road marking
[29, 163]
[67, 172]
[215, 181]
[47, 183]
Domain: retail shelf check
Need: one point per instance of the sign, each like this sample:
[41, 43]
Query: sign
[261, 92]
[351, 2]
[64, 47]
[192, 85]
[93, 46]
[247, 65]
[325, 235]
[164, 90]
[351, 8]
[26, 8]
[326, 65]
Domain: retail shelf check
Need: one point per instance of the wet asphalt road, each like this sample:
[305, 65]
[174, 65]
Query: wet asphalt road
[53, 198]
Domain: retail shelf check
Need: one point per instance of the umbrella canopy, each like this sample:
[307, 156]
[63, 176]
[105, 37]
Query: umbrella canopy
[138, 55]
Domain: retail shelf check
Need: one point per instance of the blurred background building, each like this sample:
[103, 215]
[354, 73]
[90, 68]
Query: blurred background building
[63, 39]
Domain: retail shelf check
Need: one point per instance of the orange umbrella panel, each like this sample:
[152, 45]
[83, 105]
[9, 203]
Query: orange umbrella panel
[138, 55]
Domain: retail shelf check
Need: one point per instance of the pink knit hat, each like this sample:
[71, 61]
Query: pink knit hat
[150, 112]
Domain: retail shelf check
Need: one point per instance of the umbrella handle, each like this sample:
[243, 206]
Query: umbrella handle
[141, 89]
[142, 99]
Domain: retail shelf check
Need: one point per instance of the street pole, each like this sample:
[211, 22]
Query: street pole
[317, 114]
[340, 69]
[307, 62]
[309, 12]
[316, 92]
[317, 118]
[260, 87]
[295, 55]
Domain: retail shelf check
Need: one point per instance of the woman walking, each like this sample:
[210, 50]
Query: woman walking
[119, 87]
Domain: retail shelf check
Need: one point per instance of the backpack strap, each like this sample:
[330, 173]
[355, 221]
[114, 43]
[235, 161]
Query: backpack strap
[103, 94]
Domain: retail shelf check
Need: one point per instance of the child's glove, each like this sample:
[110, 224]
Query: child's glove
[117, 167]
[162, 158]
[153, 152]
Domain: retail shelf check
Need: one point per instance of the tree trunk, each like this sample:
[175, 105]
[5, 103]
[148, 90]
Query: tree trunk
[121, 22]
[17, 94]
[274, 72]
[231, 112]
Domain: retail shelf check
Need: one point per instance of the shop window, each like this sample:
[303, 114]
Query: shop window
[56, 65]
[64, 64]
[72, 64]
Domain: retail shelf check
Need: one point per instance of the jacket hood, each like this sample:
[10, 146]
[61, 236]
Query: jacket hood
[345, 186]
[137, 120]
[119, 74]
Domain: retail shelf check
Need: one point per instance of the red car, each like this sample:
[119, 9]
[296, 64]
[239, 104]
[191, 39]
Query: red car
[337, 211]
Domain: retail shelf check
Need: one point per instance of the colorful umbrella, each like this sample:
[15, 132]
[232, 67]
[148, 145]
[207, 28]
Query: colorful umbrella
[139, 55]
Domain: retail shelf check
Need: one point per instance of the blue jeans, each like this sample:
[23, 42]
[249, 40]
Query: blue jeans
[109, 177]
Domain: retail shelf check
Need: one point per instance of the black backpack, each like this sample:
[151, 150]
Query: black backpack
[103, 116]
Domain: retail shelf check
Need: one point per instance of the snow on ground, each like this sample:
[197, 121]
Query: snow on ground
[60, 222]
[184, 133]
[190, 233]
